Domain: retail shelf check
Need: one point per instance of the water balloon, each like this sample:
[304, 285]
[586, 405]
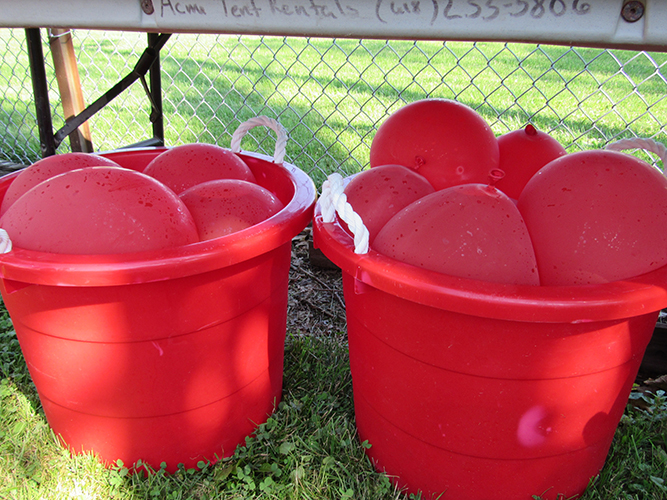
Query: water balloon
[596, 216]
[522, 153]
[447, 142]
[99, 210]
[185, 166]
[379, 193]
[225, 206]
[471, 231]
[48, 167]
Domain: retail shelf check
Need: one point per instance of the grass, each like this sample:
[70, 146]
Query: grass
[637, 462]
[308, 449]
[331, 95]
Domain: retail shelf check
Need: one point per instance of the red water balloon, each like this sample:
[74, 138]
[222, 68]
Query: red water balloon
[447, 142]
[185, 166]
[595, 217]
[471, 231]
[225, 206]
[48, 167]
[99, 210]
[522, 153]
[379, 193]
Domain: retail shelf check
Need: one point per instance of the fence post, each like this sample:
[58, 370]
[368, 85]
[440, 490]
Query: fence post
[156, 90]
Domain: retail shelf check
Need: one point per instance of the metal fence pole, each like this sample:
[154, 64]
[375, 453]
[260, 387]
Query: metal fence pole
[41, 91]
[156, 91]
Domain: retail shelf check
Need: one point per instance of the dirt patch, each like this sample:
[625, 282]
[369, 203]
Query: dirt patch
[315, 304]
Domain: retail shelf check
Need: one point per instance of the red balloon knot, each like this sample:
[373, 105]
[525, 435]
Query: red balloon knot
[495, 174]
[419, 162]
[530, 130]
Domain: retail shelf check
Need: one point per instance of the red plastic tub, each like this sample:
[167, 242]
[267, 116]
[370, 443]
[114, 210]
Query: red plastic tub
[168, 356]
[484, 390]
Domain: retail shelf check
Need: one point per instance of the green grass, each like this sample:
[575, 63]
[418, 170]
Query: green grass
[637, 462]
[308, 449]
[332, 95]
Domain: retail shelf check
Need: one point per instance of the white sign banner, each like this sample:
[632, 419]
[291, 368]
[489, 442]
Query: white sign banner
[572, 22]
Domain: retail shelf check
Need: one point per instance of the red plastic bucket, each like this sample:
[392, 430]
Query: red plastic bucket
[484, 390]
[168, 356]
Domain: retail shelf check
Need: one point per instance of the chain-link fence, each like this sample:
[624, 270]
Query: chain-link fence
[332, 94]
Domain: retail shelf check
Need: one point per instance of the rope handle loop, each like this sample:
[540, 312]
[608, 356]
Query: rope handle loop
[262, 121]
[646, 144]
[5, 242]
[334, 201]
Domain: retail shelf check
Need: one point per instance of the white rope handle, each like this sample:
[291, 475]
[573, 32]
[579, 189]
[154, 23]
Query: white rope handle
[334, 201]
[647, 144]
[5, 242]
[262, 121]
